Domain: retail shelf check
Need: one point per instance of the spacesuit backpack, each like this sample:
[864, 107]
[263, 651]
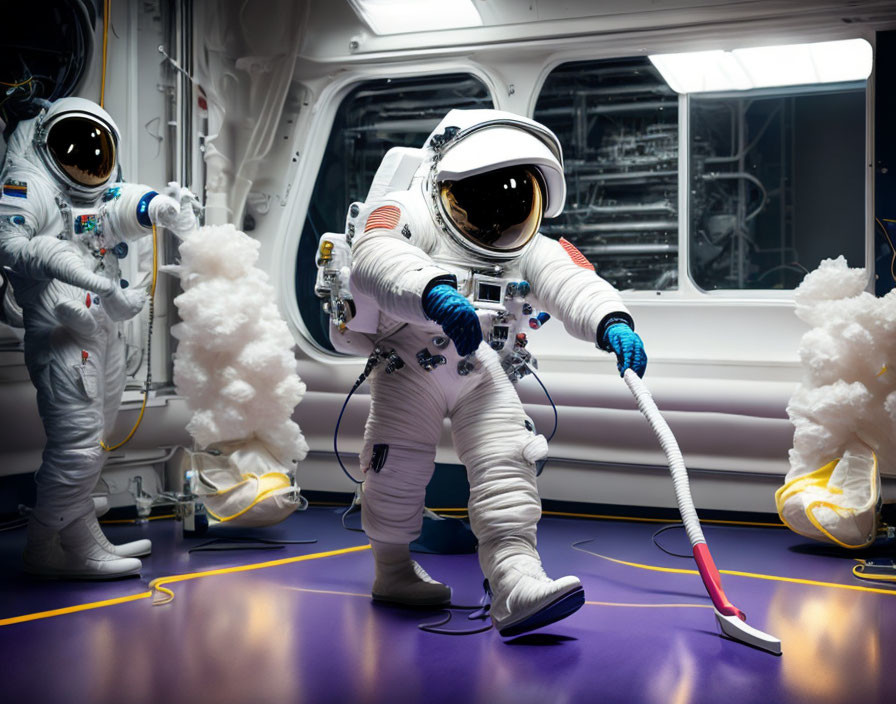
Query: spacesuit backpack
[354, 317]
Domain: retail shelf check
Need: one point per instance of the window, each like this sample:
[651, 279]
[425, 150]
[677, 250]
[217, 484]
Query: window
[373, 118]
[777, 180]
[618, 123]
[777, 185]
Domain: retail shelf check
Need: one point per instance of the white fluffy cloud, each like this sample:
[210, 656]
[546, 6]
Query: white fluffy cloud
[234, 361]
[848, 392]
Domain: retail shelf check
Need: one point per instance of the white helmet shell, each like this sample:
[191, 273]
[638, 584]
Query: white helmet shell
[75, 108]
[486, 140]
[473, 151]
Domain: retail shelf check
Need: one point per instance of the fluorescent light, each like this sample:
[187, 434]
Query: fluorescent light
[401, 16]
[700, 71]
[765, 67]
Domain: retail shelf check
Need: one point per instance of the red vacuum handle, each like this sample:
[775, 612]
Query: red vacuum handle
[713, 582]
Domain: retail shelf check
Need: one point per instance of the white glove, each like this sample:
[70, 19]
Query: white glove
[175, 209]
[123, 303]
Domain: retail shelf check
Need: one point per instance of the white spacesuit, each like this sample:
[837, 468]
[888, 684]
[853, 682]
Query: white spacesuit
[447, 249]
[64, 223]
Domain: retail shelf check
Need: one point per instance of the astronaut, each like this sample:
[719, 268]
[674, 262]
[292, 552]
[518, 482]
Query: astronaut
[65, 221]
[452, 259]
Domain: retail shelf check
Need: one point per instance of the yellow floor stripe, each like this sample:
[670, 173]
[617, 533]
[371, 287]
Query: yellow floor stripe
[751, 575]
[156, 584]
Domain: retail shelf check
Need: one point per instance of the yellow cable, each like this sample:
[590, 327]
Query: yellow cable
[16, 85]
[632, 518]
[131, 521]
[73, 609]
[327, 591]
[152, 295]
[107, 12]
[154, 585]
[649, 606]
[587, 603]
[751, 575]
[859, 571]
[157, 585]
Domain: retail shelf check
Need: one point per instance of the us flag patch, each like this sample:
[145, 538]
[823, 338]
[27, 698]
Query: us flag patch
[575, 254]
[385, 217]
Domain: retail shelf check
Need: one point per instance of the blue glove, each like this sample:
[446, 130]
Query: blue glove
[627, 345]
[456, 315]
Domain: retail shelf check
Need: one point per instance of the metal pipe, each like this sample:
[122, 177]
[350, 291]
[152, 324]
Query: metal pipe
[649, 226]
[619, 249]
[626, 176]
[634, 106]
[662, 206]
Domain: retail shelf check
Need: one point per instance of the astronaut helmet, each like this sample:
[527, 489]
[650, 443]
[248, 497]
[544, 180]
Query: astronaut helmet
[78, 143]
[493, 176]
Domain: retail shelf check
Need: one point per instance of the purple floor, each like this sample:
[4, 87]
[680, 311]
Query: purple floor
[308, 631]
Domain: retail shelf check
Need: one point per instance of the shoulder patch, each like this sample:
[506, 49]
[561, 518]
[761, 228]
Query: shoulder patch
[574, 254]
[16, 189]
[385, 217]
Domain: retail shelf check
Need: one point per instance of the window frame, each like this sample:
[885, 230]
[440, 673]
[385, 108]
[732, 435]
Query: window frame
[324, 112]
[688, 290]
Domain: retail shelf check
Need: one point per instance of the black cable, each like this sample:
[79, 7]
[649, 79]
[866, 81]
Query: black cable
[434, 626]
[539, 468]
[479, 612]
[371, 363]
[350, 510]
[14, 524]
[669, 552]
[892, 247]
[218, 544]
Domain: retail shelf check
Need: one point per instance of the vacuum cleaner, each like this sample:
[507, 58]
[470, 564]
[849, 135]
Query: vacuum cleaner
[731, 619]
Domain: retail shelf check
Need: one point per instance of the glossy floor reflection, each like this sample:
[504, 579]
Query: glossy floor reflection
[308, 632]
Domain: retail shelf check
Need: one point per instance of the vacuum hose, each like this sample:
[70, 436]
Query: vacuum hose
[730, 618]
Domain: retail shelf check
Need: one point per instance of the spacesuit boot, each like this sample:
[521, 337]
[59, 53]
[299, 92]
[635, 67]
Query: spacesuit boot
[73, 553]
[400, 580]
[135, 548]
[523, 597]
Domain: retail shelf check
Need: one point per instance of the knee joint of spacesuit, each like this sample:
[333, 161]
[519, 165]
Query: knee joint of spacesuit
[522, 447]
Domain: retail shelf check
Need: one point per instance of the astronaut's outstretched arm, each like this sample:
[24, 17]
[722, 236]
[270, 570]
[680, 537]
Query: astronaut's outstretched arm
[390, 268]
[568, 288]
[132, 209]
[44, 257]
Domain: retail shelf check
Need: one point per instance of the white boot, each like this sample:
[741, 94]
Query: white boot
[72, 553]
[400, 580]
[525, 598]
[136, 548]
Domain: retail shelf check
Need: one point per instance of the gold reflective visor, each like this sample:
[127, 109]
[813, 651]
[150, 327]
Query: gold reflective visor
[83, 148]
[499, 210]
